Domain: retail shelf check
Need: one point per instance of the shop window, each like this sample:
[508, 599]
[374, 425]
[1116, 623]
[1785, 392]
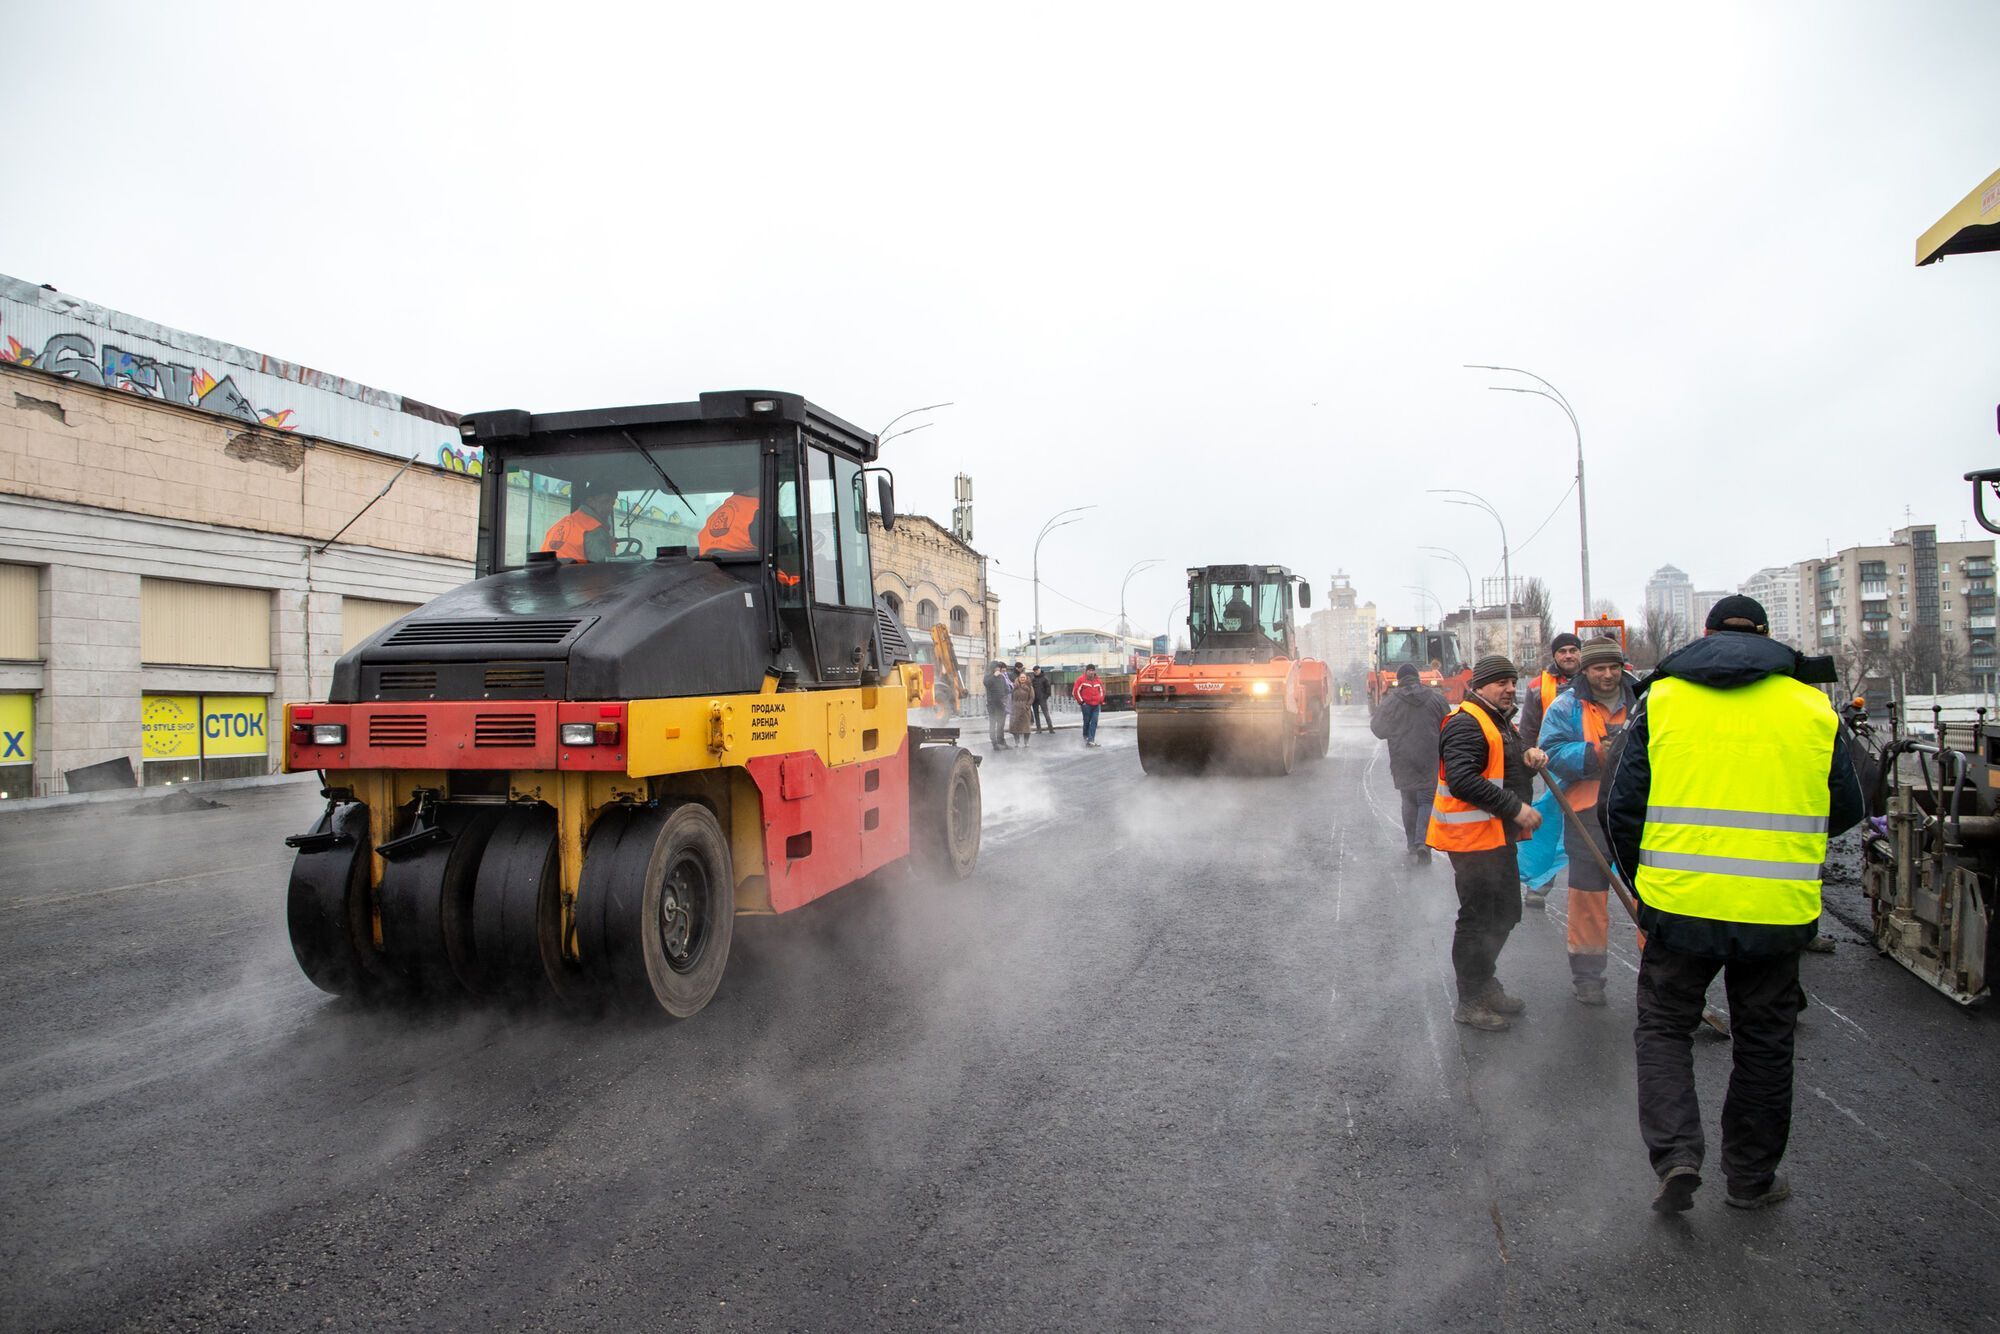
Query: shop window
[204, 625]
[20, 612]
[17, 746]
[184, 738]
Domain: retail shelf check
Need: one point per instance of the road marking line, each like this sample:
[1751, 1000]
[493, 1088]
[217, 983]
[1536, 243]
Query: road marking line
[1881, 1138]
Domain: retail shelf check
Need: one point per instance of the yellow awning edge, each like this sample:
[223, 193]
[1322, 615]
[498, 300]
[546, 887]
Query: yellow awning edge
[1972, 226]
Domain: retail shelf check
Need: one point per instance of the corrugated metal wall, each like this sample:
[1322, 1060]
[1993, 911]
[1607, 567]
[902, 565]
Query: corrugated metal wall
[362, 617]
[204, 625]
[20, 615]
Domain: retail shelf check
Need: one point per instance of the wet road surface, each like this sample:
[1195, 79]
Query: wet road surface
[1180, 1054]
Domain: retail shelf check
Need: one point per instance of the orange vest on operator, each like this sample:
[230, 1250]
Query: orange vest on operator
[1460, 826]
[730, 527]
[565, 535]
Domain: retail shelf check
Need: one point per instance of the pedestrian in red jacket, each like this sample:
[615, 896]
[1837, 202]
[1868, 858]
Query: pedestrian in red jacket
[1089, 695]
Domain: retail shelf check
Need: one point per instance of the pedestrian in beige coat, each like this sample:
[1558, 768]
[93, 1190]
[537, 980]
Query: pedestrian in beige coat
[1021, 716]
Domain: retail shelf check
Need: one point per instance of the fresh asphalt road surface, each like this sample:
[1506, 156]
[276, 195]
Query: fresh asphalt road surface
[1179, 1054]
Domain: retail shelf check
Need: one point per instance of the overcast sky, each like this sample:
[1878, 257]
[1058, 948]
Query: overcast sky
[1211, 269]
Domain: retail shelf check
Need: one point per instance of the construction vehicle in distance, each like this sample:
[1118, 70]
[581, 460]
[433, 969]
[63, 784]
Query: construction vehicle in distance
[1240, 695]
[568, 777]
[1434, 653]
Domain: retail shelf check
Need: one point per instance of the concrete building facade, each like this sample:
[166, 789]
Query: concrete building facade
[1912, 604]
[1341, 633]
[1777, 589]
[1671, 593]
[929, 577]
[163, 584]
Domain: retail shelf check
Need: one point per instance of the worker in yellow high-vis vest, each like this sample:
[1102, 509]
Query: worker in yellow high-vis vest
[1732, 777]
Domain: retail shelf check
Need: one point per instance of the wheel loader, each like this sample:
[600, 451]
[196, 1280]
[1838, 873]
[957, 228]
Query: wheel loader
[669, 698]
[1239, 696]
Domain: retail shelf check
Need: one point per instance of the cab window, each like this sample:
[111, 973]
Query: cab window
[825, 526]
[856, 583]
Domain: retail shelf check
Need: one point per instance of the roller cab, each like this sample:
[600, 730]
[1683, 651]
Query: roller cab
[669, 697]
[1240, 696]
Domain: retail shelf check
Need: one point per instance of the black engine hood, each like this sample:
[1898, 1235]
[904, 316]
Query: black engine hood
[608, 631]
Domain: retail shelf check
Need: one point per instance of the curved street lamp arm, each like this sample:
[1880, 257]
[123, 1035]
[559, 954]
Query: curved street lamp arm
[1556, 393]
[928, 407]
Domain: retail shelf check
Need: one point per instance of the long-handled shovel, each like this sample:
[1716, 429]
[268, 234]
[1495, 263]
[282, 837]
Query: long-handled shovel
[1711, 1016]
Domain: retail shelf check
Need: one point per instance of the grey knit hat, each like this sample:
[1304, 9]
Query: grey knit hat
[1493, 667]
[1601, 651]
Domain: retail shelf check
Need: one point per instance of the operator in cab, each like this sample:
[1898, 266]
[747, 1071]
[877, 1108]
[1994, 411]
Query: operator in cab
[731, 527]
[1236, 613]
[584, 534]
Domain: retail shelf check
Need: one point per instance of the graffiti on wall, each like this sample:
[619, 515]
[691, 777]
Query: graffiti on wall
[53, 333]
[78, 357]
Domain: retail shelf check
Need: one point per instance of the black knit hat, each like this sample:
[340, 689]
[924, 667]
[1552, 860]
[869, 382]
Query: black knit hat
[1493, 667]
[1563, 641]
[1748, 613]
[1407, 673]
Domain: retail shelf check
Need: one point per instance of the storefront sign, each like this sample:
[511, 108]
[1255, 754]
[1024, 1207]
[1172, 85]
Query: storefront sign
[233, 725]
[17, 729]
[170, 727]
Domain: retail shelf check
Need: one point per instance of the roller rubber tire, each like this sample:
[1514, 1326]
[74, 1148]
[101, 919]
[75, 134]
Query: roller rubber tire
[633, 875]
[327, 913]
[427, 904]
[946, 809]
[517, 911]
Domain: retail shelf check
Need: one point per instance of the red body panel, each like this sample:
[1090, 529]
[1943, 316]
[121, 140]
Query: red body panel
[834, 808]
[482, 734]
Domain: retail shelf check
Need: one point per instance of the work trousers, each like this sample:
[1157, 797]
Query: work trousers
[1589, 902]
[1764, 1005]
[1416, 814]
[1090, 712]
[1489, 906]
[1041, 717]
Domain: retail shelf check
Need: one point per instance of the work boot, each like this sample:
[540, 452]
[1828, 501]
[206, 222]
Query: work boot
[1777, 1192]
[1496, 999]
[1534, 898]
[1588, 990]
[1820, 944]
[1475, 1015]
[1677, 1188]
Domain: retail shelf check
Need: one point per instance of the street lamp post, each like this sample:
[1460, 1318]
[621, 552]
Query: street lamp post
[1470, 601]
[1124, 628]
[1555, 396]
[1415, 588]
[1056, 521]
[883, 434]
[1506, 552]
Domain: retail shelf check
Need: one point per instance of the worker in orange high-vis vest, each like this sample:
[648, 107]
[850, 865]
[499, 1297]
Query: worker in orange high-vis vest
[1478, 813]
[731, 527]
[584, 534]
[1580, 728]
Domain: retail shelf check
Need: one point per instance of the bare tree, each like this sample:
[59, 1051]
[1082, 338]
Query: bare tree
[1604, 609]
[1535, 602]
[1660, 633]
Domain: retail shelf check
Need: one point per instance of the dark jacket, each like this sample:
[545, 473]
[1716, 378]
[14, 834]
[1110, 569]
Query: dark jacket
[1463, 748]
[1531, 705]
[996, 692]
[1408, 718]
[1727, 660]
[1042, 686]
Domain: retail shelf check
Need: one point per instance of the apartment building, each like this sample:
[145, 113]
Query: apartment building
[1913, 604]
